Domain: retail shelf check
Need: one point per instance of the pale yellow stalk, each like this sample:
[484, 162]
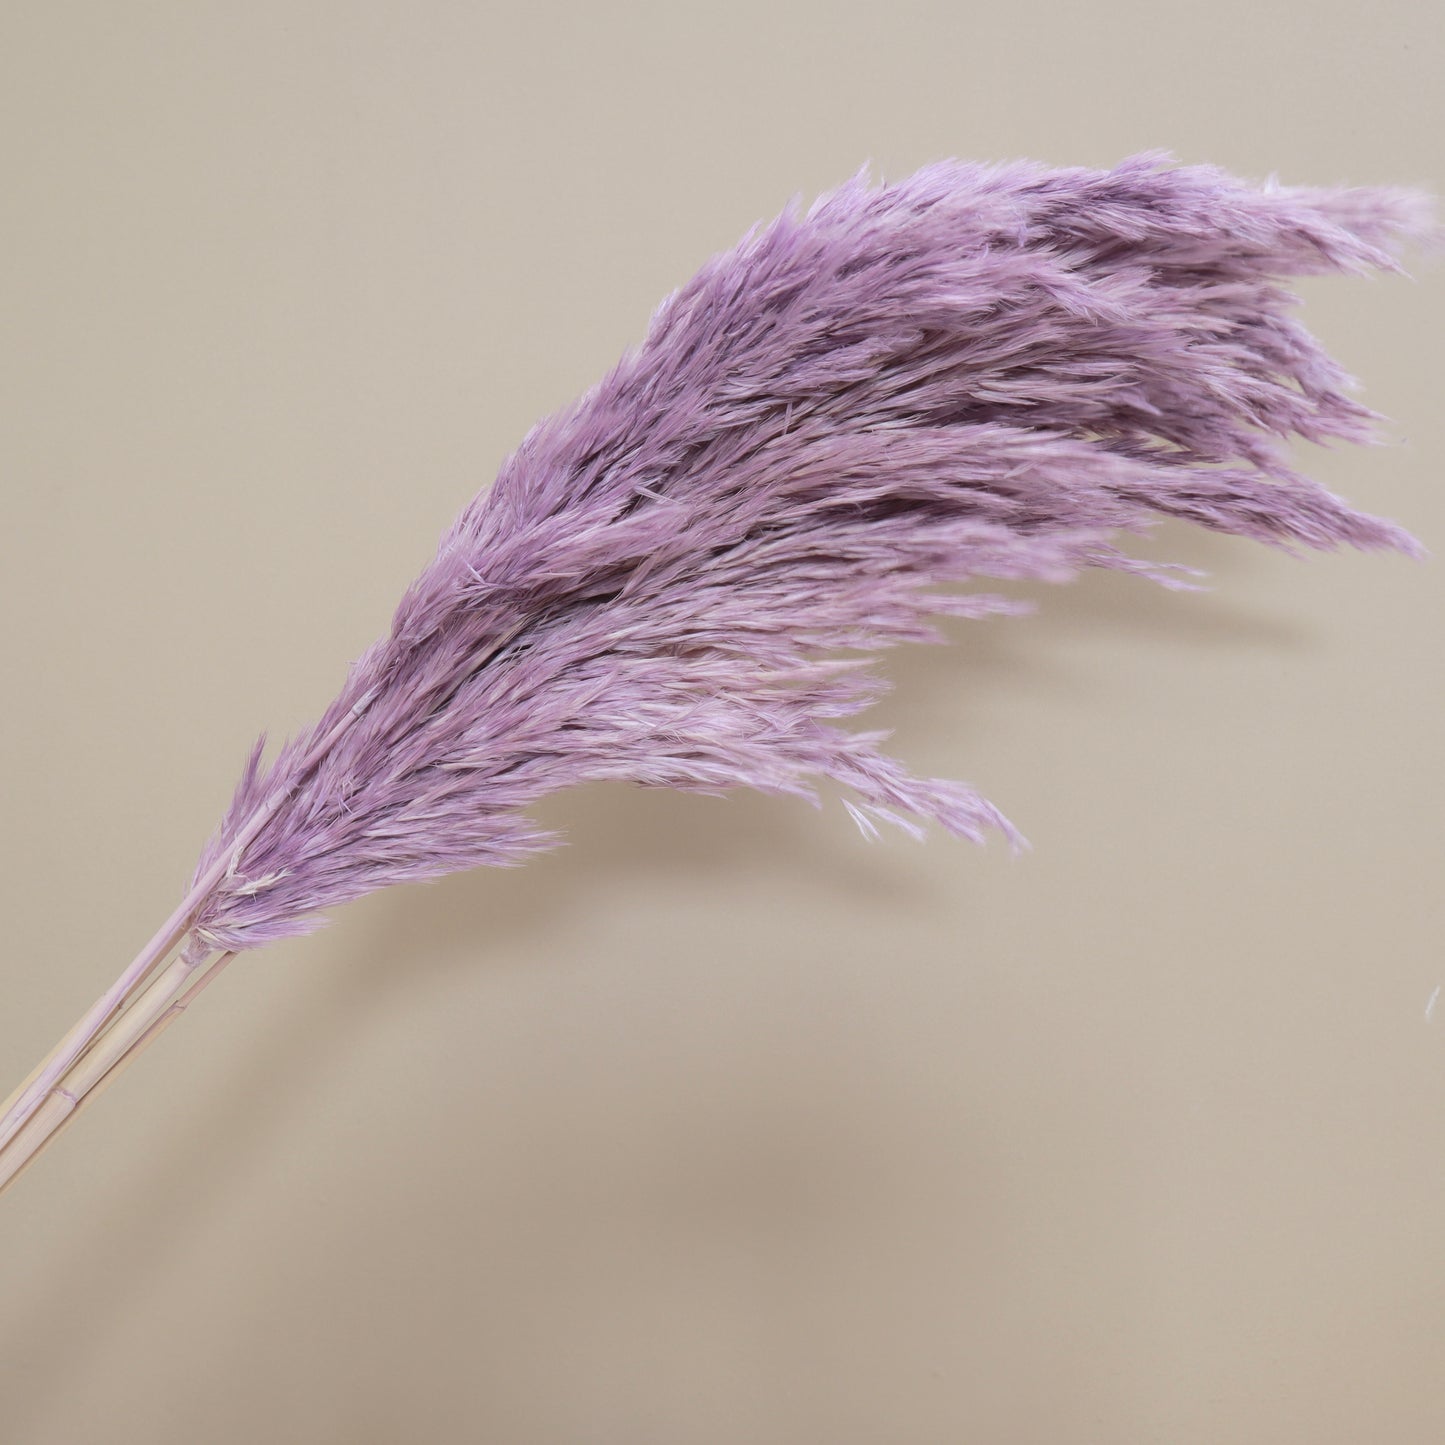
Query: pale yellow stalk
[130, 1033]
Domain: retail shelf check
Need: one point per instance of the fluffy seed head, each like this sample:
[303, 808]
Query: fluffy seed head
[984, 371]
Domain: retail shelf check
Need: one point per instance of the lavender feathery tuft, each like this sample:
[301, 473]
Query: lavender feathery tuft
[980, 372]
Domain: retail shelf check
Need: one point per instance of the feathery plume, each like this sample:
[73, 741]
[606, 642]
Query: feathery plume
[985, 371]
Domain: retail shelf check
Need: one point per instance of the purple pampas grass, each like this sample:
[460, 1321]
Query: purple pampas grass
[980, 372]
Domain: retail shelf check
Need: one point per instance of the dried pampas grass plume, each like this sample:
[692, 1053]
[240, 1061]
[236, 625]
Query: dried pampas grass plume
[979, 372]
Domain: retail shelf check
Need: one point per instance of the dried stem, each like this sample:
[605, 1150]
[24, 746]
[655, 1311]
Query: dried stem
[34, 1094]
[52, 1068]
[166, 997]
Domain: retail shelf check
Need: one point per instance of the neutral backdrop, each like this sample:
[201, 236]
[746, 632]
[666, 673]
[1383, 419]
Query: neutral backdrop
[721, 1124]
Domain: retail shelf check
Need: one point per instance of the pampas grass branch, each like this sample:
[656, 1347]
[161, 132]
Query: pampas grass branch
[981, 372]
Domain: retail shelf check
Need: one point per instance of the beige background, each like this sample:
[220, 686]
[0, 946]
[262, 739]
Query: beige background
[720, 1125]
